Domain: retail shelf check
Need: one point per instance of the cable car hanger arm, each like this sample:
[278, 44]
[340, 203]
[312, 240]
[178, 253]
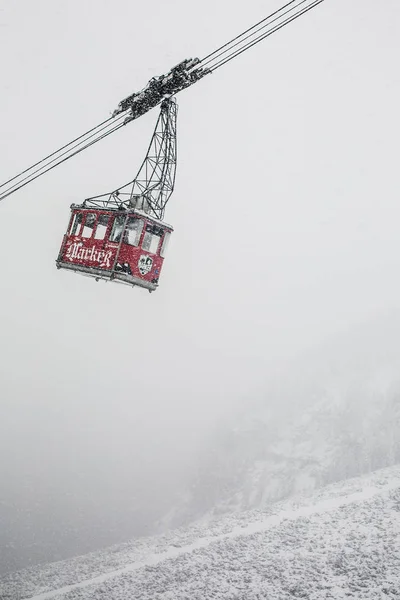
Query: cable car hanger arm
[177, 79]
[154, 182]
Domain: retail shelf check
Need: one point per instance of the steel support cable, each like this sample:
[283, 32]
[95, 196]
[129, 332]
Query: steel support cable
[265, 35]
[39, 172]
[240, 51]
[30, 177]
[254, 30]
[251, 42]
[55, 152]
[247, 30]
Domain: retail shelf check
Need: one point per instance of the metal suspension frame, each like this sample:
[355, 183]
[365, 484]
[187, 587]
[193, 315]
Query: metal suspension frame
[180, 77]
[154, 183]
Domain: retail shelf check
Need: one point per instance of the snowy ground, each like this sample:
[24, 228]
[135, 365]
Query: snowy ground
[341, 543]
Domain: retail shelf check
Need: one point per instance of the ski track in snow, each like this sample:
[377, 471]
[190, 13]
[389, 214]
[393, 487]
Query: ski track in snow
[256, 527]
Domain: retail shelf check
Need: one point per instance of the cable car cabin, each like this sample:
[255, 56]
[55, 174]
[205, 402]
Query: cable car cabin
[126, 246]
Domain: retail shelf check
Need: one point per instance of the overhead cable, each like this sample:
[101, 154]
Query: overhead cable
[59, 158]
[270, 25]
[213, 61]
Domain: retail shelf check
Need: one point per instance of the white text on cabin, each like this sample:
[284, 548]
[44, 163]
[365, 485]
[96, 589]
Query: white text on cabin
[76, 251]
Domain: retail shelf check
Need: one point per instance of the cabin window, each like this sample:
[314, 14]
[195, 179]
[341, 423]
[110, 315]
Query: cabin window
[151, 239]
[76, 224]
[134, 228]
[117, 229]
[90, 222]
[165, 243]
[102, 224]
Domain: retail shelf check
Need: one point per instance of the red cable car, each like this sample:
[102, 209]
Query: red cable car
[121, 236]
[127, 246]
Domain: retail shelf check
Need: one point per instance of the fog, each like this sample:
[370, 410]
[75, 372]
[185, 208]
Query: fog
[286, 221]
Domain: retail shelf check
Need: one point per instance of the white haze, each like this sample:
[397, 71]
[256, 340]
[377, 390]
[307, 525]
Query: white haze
[286, 219]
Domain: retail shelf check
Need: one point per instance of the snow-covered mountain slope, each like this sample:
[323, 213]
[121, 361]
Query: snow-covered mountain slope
[328, 416]
[344, 542]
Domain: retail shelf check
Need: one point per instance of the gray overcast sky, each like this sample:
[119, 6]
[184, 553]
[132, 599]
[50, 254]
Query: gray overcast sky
[286, 217]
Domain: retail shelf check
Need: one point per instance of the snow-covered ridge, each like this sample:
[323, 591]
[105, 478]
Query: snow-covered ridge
[345, 535]
[331, 415]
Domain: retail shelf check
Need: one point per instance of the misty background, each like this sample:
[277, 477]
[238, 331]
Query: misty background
[279, 292]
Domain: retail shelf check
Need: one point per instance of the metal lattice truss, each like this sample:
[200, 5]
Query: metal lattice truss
[154, 183]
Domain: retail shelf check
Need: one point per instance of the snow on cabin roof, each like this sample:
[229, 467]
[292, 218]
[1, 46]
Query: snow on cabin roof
[135, 211]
